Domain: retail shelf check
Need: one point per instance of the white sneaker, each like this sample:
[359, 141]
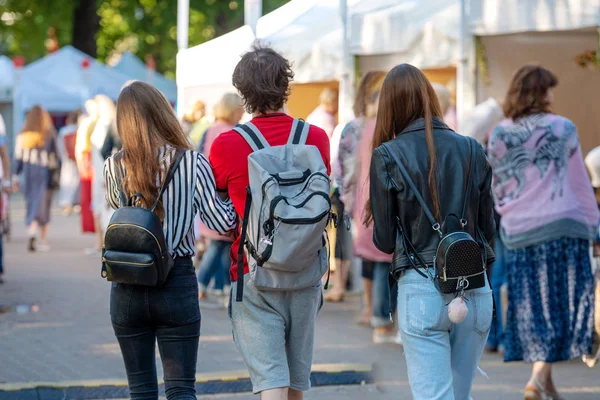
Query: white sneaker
[43, 247]
[384, 337]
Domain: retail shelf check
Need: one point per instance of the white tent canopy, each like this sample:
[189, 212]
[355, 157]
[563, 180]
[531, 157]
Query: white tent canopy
[204, 71]
[309, 33]
[131, 65]
[424, 33]
[213, 62]
[499, 17]
[66, 83]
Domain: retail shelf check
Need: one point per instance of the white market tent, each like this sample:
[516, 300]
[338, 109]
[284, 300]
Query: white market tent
[551, 33]
[309, 33]
[132, 66]
[422, 33]
[204, 71]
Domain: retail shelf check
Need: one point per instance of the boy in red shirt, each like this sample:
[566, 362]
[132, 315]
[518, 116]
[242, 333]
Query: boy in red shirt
[277, 352]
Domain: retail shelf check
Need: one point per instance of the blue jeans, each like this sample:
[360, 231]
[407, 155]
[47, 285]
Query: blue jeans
[215, 263]
[498, 278]
[441, 357]
[381, 294]
[170, 315]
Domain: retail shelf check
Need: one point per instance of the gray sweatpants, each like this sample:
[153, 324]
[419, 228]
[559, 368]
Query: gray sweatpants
[274, 332]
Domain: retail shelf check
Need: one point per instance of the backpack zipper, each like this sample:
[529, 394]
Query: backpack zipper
[125, 262]
[302, 221]
[137, 226]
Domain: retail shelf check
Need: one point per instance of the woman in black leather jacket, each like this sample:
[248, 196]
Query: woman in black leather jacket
[441, 356]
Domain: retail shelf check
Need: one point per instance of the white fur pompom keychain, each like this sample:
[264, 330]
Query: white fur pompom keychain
[458, 310]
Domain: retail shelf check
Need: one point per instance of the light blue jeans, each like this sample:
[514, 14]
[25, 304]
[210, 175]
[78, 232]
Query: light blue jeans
[442, 357]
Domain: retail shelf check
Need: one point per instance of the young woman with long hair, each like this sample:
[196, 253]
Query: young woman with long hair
[142, 315]
[344, 182]
[36, 158]
[549, 215]
[442, 356]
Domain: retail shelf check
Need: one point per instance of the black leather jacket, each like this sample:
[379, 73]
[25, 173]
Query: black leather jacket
[391, 197]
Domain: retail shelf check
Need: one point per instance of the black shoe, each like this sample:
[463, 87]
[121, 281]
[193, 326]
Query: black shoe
[31, 244]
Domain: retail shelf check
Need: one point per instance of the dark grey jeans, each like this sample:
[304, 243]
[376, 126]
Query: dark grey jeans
[170, 315]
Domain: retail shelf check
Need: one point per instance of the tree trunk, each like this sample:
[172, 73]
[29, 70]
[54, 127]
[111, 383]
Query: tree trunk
[86, 23]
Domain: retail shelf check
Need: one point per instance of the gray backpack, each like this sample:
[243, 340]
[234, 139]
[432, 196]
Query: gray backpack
[287, 211]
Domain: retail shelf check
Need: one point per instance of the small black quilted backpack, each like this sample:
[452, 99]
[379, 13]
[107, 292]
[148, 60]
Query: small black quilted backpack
[135, 250]
[458, 260]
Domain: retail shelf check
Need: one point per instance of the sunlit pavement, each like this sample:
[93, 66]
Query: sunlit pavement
[55, 327]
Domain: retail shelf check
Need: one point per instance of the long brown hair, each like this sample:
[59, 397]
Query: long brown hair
[38, 120]
[528, 92]
[406, 96]
[145, 122]
[369, 84]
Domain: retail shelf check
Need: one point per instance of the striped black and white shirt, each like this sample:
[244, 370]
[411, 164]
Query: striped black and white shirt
[191, 191]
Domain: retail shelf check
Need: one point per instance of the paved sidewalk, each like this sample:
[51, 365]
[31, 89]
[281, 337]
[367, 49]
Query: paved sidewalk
[70, 338]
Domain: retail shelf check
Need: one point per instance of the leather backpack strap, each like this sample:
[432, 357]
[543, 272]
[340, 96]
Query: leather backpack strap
[179, 154]
[463, 216]
[434, 225]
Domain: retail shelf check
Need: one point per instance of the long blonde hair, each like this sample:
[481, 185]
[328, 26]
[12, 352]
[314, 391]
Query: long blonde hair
[145, 122]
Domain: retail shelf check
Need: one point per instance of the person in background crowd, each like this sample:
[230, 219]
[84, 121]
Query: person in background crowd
[69, 175]
[83, 156]
[195, 122]
[5, 185]
[343, 166]
[441, 356]
[169, 314]
[450, 117]
[324, 115]
[104, 128]
[273, 330]
[592, 162]
[36, 159]
[479, 124]
[443, 96]
[375, 264]
[538, 166]
[215, 261]
[481, 120]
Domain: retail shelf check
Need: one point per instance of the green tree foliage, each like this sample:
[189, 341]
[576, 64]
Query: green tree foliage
[145, 27]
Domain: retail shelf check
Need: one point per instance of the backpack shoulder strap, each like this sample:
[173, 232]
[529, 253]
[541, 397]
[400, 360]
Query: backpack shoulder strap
[252, 136]
[179, 154]
[299, 132]
[469, 184]
[435, 225]
[118, 164]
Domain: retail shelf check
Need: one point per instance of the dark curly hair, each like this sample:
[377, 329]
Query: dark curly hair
[263, 79]
[527, 92]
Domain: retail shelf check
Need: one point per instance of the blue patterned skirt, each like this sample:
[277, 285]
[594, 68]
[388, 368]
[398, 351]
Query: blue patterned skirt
[550, 313]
